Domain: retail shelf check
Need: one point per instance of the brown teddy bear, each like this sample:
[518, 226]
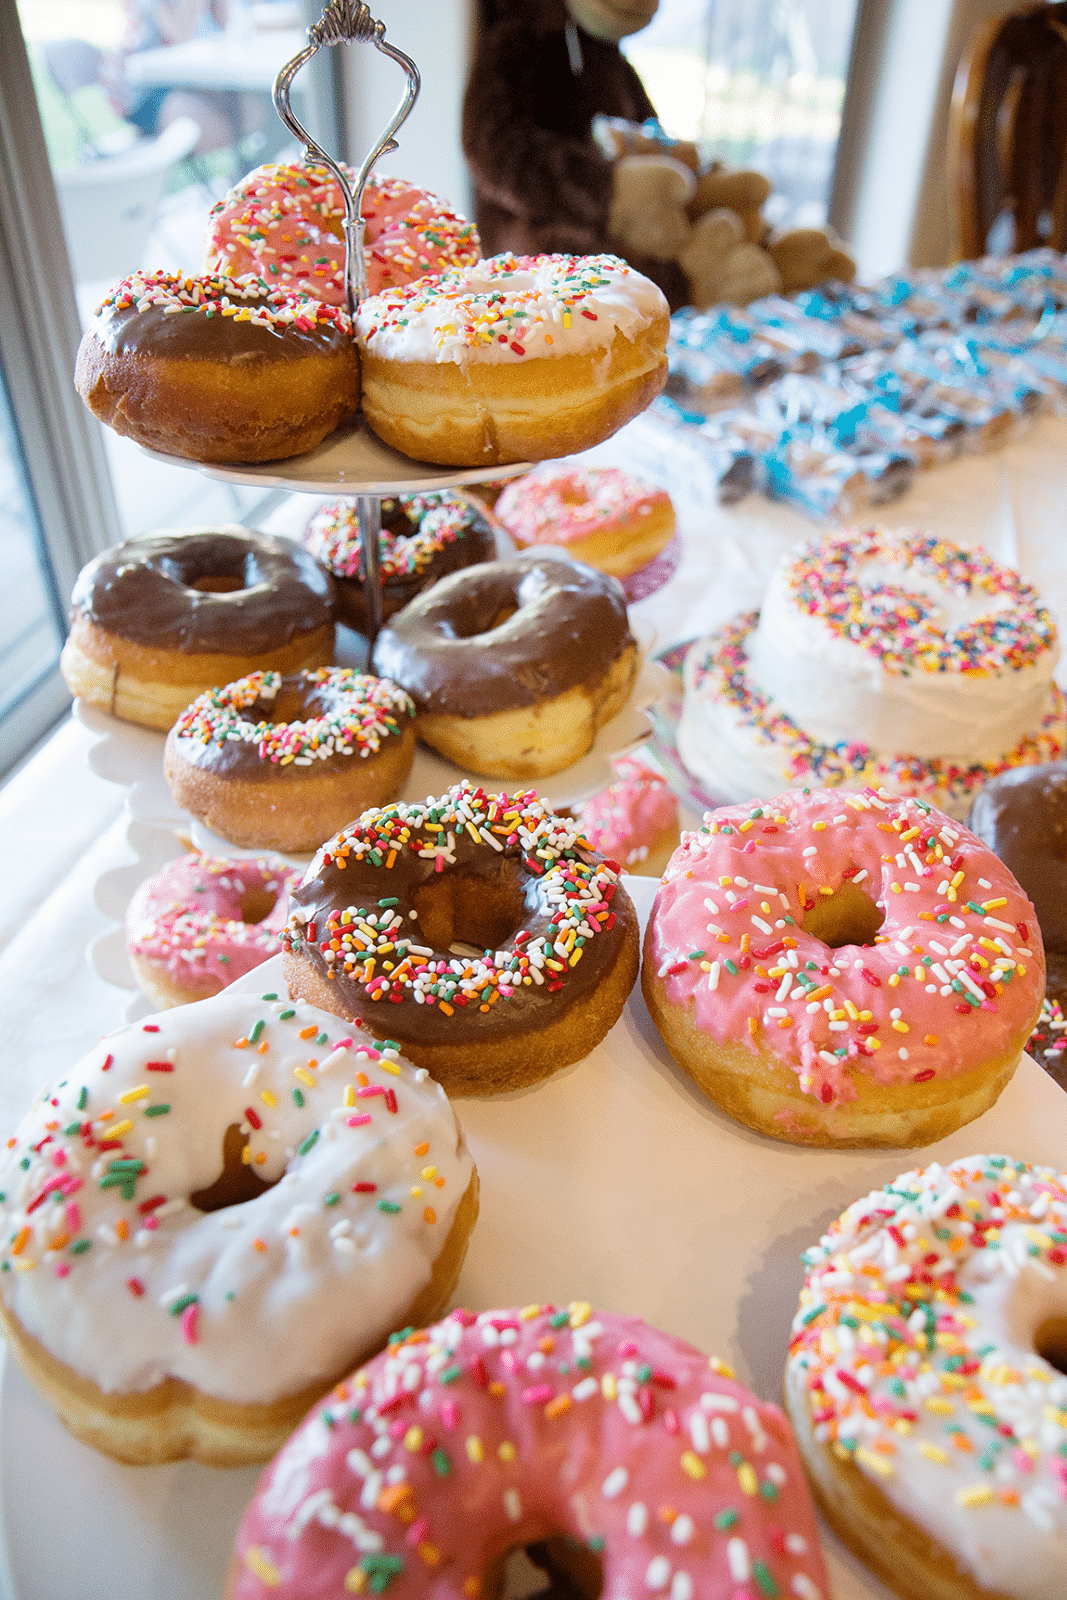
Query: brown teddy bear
[566, 155]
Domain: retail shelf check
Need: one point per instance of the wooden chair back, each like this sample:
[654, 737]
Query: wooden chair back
[1007, 136]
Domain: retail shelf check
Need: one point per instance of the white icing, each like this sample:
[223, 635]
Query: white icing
[334, 1276]
[727, 756]
[1016, 1547]
[508, 309]
[835, 689]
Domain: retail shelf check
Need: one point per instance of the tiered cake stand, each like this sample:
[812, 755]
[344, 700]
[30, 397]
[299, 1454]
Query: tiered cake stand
[351, 462]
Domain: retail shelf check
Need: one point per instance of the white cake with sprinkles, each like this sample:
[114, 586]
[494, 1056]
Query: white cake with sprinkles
[885, 656]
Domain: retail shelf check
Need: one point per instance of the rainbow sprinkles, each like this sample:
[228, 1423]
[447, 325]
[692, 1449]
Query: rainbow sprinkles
[509, 308]
[357, 713]
[905, 628]
[917, 1361]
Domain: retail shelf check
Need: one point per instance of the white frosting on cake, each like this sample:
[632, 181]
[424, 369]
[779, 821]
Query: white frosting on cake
[886, 658]
[510, 308]
[874, 653]
[108, 1264]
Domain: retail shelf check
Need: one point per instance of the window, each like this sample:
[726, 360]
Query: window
[756, 83]
[131, 193]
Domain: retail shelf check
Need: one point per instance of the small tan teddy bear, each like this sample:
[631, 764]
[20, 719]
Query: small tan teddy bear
[710, 221]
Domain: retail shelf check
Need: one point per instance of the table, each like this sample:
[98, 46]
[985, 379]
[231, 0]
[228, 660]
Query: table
[237, 59]
[240, 60]
[62, 827]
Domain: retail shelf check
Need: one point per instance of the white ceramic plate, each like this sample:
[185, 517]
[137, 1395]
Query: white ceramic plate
[352, 460]
[615, 1181]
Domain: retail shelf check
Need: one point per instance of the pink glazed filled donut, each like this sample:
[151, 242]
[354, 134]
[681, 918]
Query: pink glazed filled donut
[838, 968]
[285, 225]
[609, 1448]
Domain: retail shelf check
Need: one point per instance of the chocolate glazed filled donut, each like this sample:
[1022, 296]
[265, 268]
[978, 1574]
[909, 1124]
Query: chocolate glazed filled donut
[157, 620]
[513, 665]
[218, 369]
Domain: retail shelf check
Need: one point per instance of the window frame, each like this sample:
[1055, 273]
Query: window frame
[59, 445]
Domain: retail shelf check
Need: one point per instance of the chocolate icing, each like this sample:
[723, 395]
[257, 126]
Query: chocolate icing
[193, 334]
[475, 543]
[513, 897]
[569, 627]
[142, 591]
[1022, 816]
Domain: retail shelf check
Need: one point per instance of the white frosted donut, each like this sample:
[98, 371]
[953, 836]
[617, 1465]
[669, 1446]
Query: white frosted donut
[515, 358]
[926, 1380]
[215, 1214]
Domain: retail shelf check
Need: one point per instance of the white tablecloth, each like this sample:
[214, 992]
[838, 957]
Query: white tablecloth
[62, 826]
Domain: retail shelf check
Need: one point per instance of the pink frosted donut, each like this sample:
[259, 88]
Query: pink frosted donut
[598, 514]
[204, 921]
[634, 821]
[842, 968]
[593, 1438]
[285, 225]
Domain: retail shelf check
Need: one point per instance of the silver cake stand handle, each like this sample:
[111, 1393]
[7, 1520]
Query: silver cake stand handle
[346, 22]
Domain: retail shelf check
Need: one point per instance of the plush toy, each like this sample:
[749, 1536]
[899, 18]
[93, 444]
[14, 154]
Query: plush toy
[542, 71]
[566, 155]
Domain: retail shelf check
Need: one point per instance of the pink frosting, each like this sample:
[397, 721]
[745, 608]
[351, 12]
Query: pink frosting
[485, 1433]
[284, 224]
[955, 974]
[627, 820]
[188, 920]
[554, 507]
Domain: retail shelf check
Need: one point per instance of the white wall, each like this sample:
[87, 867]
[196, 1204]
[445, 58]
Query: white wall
[436, 34]
[891, 191]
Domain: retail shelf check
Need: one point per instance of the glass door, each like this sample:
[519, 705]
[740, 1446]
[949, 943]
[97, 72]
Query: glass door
[121, 123]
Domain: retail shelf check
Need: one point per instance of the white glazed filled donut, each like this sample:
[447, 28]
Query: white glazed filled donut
[516, 358]
[215, 1214]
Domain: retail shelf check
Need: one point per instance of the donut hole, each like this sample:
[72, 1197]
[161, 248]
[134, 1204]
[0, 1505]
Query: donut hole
[291, 704]
[557, 1568]
[470, 620]
[1050, 1341]
[237, 1182]
[848, 916]
[219, 583]
[460, 909]
[257, 903]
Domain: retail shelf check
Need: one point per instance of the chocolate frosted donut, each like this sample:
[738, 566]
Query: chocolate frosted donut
[157, 620]
[424, 537]
[513, 665]
[280, 763]
[374, 931]
[218, 369]
[1022, 816]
